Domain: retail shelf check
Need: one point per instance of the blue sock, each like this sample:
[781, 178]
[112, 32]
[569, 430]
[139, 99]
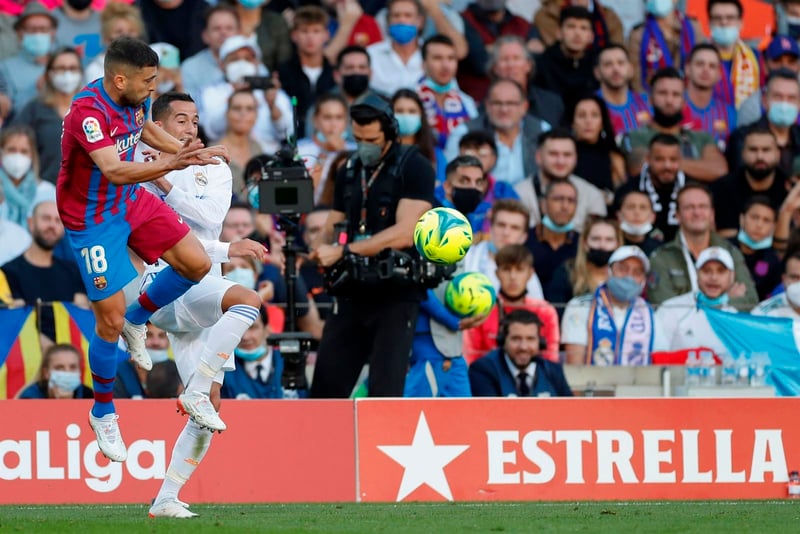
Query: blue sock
[166, 287]
[103, 363]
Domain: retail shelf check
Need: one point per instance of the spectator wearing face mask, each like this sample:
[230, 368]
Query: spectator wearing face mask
[19, 169]
[685, 314]
[636, 218]
[397, 61]
[63, 77]
[614, 325]
[415, 130]
[79, 27]
[754, 240]
[59, 376]
[132, 380]
[783, 52]
[555, 239]
[36, 29]
[786, 303]
[464, 190]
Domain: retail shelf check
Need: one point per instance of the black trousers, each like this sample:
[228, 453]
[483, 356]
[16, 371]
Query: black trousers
[365, 331]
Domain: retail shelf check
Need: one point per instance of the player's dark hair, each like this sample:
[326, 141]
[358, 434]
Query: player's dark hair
[758, 200]
[712, 3]
[161, 107]
[128, 52]
[664, 140]
[436, 39]
[476, 139]
[575, 12]
[352, 49]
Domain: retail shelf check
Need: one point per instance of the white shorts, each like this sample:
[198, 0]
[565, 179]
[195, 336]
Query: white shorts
[188, 320]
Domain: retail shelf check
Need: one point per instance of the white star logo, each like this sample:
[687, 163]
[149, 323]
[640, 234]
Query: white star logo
[423, 461]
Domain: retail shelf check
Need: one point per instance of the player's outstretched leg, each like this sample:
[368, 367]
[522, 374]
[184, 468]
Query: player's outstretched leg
[225, 335]
[189, 450]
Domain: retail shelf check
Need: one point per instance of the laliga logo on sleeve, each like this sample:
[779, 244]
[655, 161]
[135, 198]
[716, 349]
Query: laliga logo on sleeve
[91, 128]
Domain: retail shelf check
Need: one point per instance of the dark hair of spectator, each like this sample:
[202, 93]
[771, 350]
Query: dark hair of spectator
[513, 256]
[556, 133]
[254, 167]
[510, 205]
[329, 97]
[240, 205]
[610, 46]
[558, 183]
[424, 137]
[758, 200]
[712, 3]
[607, 138]
[462, 161]
[574, 12]
[667, 73]
[521, 316]
[161, 107]
[436, 39]
[760, 130]
[701, 47]
[694, 186]
[128, 52]
[309, 16]
[781, 74]
[476, 139]
[220, 8]
[417, 3]
[163, 380]
[352, 49]
[663, 140]
[632, 192]
[793, 251]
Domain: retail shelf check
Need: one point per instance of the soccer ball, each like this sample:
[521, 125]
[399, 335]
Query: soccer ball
[470, 294]
[443, 235]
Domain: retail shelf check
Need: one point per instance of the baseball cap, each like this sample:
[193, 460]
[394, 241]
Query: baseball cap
[169, 56]
[237, 42]
[715, 254]
[34, 8]
[629, 251]
[781, 45]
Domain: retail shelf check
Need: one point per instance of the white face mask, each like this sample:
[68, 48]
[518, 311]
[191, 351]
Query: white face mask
[236, 71]
[242, 276]
[793, 294]
[158, 355]
[66, 82]
[16, 165]
[636, 229]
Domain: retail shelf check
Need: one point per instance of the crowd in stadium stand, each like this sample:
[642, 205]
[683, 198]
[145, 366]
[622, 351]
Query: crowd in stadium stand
[630, 172]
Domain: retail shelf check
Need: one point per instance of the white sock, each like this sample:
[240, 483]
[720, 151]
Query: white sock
[191, 447]
[223, 338]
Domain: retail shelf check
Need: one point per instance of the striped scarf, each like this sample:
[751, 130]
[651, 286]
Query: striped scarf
[743, 80]
[655, 54]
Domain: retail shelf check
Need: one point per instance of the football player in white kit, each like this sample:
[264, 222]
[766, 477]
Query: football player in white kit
[208, 321]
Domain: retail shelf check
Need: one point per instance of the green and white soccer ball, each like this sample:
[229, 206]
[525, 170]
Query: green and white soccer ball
[470, 295]
[443, 235]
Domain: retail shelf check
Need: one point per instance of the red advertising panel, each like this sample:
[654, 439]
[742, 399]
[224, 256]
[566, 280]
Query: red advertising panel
[576, 449]
[273, 451]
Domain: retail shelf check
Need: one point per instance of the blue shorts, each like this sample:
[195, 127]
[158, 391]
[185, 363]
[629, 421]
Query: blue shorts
[433, 375]
[148, 226]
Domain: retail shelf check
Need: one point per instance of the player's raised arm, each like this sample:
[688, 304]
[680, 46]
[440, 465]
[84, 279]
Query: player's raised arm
[130, 172]
[160, 140]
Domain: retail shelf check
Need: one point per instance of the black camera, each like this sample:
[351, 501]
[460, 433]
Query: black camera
[286, 190]
[259, 82]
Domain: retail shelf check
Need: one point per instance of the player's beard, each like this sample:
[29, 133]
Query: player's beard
[127, 101]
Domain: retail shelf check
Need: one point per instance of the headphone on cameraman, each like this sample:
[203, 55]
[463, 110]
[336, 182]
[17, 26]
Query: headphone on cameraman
[391, 129]
[505, 324]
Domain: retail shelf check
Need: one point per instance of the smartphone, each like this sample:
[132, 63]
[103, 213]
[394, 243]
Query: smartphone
[259, 82]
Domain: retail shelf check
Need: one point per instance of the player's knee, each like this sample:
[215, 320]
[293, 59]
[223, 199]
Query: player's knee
[109, 325]
[250, 298]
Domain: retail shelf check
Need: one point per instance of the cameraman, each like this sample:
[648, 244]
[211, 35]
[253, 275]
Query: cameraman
[380, 192]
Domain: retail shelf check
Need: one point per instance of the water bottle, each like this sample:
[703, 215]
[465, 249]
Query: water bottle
[728, 370]
[794, 485]
[742, 370]
[708, 368]
[692, 370]
[758, 369]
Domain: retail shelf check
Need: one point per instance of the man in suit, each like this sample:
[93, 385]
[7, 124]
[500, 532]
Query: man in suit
[515, 367]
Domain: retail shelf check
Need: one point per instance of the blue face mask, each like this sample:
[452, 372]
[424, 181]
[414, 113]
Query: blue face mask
[242, 276]
[408, 123]
[624, 288]
[321, 137]
[754, 245]
[251, 4]
[783, 114]
[251, 355]
[253, 196]
[659, 8]
[439, 88]
[720, 301]
[403, 33]
[158, 355]
[37, 44]
[65, 380]
[557, 228]
[724, 35]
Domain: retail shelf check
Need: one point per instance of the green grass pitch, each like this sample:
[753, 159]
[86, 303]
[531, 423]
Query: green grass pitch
[638, 517]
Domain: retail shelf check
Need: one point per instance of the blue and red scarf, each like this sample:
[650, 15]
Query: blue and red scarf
[443, 119]
[655, 54]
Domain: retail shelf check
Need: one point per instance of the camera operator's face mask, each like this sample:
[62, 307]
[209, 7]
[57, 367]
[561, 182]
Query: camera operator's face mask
[369, 153]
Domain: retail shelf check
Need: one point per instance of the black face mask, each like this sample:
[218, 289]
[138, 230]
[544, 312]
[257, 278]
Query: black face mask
[466, 199]
[598, 257]
[355, 84]
[667, 121]
[79, 5]
[759, 175]
[506, 296]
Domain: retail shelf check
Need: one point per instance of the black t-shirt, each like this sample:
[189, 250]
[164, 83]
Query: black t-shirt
[57, 283]
[545, 259]
[315, 282]
[765, 267]
[731, 193]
